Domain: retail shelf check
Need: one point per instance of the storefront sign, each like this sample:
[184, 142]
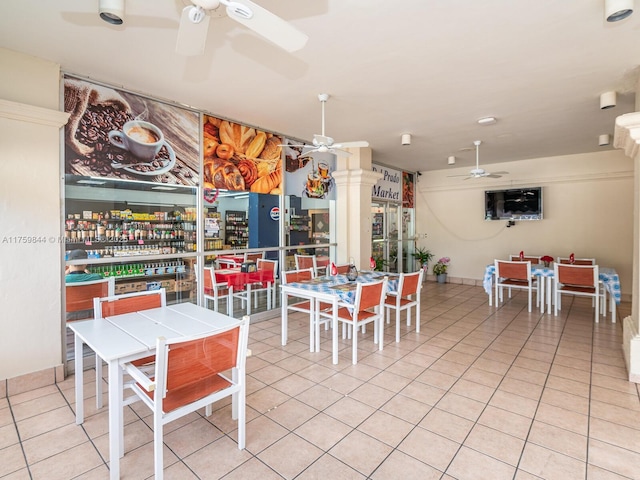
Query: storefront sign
[389, 187]
[274, 213]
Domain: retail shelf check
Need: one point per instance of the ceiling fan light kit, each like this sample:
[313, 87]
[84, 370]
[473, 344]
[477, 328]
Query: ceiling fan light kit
[616, 10]
[487, 121]
[608, 100]
[111, 11]
[194, 24]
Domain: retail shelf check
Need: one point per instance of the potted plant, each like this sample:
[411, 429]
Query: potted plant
[424, 256]
[440, 269]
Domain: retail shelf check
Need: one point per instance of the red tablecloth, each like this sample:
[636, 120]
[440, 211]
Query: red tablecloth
[230, 259]
[233, 277]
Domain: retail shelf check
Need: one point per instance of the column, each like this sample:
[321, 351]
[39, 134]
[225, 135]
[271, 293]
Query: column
[627, 137]
[354, 182]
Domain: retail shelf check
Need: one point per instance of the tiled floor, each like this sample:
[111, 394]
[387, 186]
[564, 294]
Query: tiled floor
[480, 393]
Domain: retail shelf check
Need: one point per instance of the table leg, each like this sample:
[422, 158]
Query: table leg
[116, 428]
[334, 323]
[283, 316]
[549, 293]
[77, 352]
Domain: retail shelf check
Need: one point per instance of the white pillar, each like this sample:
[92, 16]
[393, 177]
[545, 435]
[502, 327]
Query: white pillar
[354, 182]
[627, 137]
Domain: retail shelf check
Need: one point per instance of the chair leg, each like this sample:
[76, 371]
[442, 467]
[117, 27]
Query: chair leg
[354, 357]
[397, 325]
[157, 447]
[98, 382]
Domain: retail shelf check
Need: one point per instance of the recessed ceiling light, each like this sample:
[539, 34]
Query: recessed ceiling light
[487, 121]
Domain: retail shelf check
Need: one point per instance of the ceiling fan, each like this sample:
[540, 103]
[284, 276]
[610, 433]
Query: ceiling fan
[480, 172]
[324, 144]
[194, 24]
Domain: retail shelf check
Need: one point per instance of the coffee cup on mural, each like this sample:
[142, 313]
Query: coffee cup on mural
[142, 139]
[323, 170]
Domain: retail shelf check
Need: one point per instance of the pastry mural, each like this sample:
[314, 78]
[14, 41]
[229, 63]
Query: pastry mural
[237, 157]
[118, 134]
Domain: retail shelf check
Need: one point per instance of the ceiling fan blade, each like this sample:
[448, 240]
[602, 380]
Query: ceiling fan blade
[493, 175]
[500, 173]
[340, 153]
[192, 37]
[270, 26]
[356, 144]
[322, 140]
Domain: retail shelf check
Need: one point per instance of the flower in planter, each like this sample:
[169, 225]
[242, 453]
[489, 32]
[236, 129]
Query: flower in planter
[441, 266]
[546, 260]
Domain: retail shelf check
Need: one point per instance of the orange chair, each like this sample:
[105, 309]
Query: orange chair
[514, 274]
[589, 261]
[342, 269]
[534, 259]
[307, 306]
[266, 266]
[213, 290]
[190, 373]
[118, 305]
[253, 257]
[80, 295]
[407, 296]
[307, 261]
[579, 280]
[368, 307]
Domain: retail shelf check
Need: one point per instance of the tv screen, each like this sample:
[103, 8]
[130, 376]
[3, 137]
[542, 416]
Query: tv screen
[513, 204]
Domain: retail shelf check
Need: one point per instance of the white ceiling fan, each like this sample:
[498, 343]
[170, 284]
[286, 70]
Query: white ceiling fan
[194, 25]
[324, 144]
[480, 172]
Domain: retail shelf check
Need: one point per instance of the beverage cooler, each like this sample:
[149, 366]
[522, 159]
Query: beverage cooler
[264, 220]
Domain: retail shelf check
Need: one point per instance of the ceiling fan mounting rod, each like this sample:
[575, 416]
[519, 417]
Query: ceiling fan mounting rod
[477, 144]
[323, 97]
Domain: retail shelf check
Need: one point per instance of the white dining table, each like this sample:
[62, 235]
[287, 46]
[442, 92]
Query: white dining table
[328, 289]
[608, 276]
[122, 338]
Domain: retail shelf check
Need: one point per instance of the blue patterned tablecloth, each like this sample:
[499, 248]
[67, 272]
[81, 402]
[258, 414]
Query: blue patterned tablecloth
[341, 286]
[608, 276]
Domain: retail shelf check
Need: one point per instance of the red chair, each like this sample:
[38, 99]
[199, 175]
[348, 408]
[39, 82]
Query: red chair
[368, 307]
[213, 290]
[514, 274]
[407, 296]
[579, 280]
[190, 373]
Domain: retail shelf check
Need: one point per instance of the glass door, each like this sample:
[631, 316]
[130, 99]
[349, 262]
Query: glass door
[386, 236]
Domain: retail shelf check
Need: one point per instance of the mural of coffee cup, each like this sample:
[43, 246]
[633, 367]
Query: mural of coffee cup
[323, 170]
[142, 139]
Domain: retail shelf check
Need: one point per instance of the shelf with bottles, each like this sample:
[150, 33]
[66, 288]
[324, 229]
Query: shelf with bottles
[236, 229]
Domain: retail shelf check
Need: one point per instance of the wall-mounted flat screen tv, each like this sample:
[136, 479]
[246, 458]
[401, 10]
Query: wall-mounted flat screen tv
[513, 204]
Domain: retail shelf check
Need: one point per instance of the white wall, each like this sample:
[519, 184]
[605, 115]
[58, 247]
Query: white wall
[30, 276]
[588, 210]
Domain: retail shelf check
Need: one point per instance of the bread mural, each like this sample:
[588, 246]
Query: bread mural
[237, 157]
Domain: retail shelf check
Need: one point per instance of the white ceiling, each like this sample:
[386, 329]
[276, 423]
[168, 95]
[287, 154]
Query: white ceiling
[429, 68]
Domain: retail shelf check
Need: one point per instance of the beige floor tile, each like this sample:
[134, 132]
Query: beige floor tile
[290, 455]
[406, 408]
[423, 393]
[371, 395]
[482, 377]
[328, 466]
[53, 442]
[614, 413]
[546, 463]
[292, 413]
[559, 440]
[400, 466]
[521, 388]
[440, 450]
[612, 458]
[447, 425]
[495, 443]
[506, 421]
[569, 386]
[319, 397]
[514, 403]
[293, 385]
[386, 428]
[45, 422]
[8, 436]
[263, 432]
[253, 468]
[472, 465]
[265, 399]
[216, 459]
[68, 463]
[323, 431]
[350, 411]
[361, 452]
[615, 434]
[437, 379]
[614, 397]
[12, 460]
[563, 418]
[475, 391]
[597, 473]
[461, 406]
[558, 398]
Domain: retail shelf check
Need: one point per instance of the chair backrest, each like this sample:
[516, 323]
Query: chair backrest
[305, 261]
[370, 295]
[342, 269]
[410, 283]
[253, 257]
[80, 295]
[272, 265]
[190, 368]
[209, 279]
[578, 275]
[292, 276]
[128, 302]
[534, 259]
[515, 269]
[577, 261]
